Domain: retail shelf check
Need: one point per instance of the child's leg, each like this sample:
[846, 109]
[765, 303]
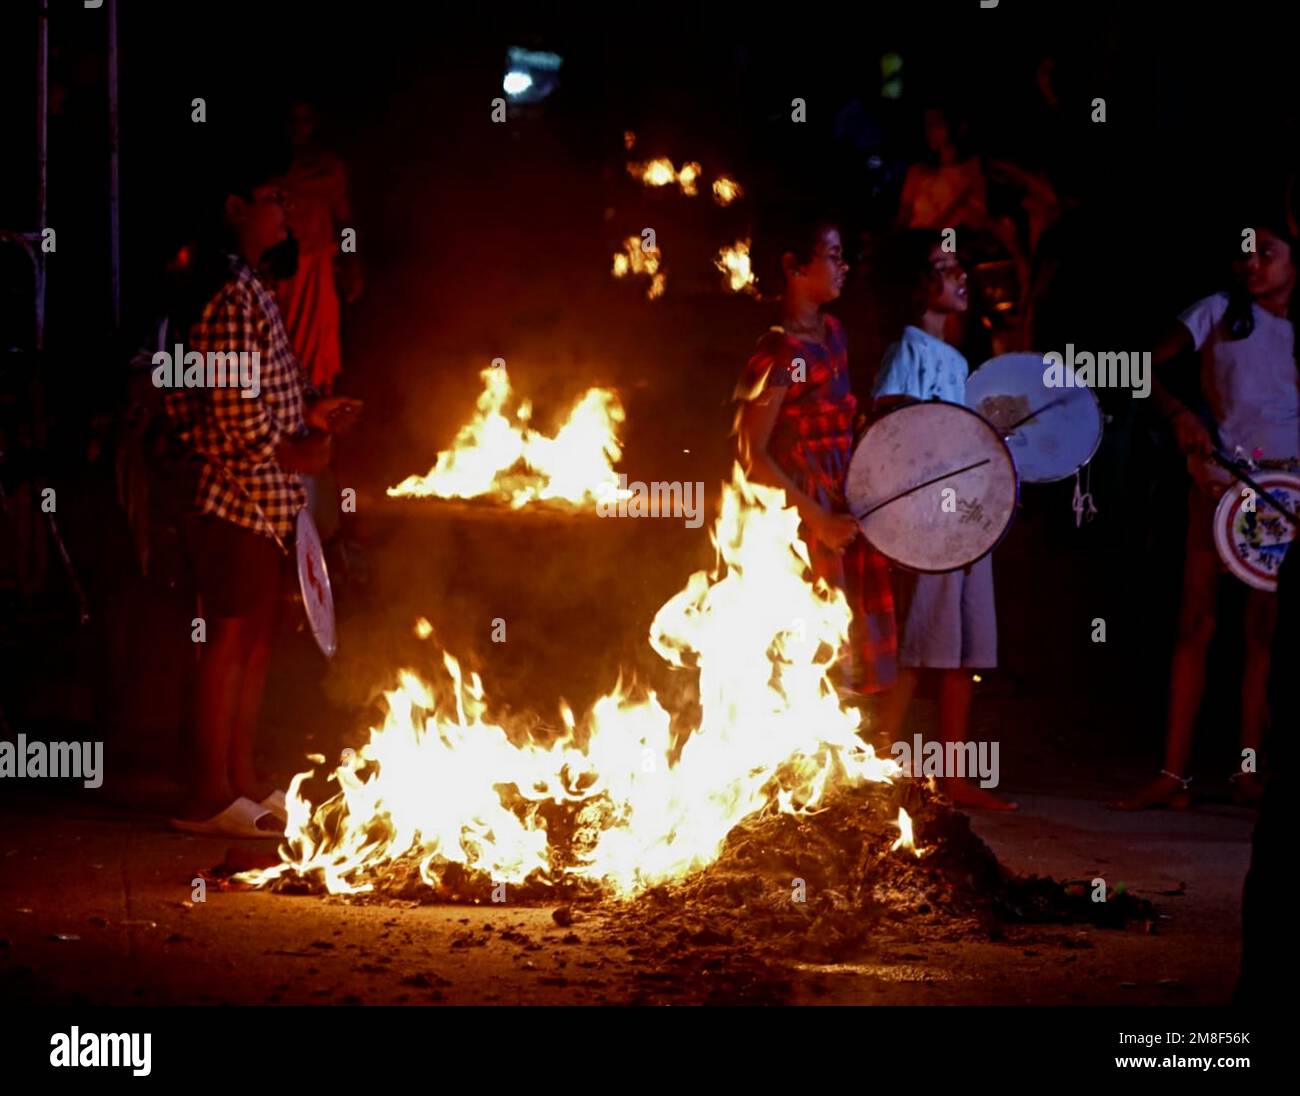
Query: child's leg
[955, 691]
[1196, 622]
[1260, 622]
[979, 647]
[893, 709]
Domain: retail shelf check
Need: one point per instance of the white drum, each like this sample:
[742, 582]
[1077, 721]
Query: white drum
[1252, 540]
[1052, 431]
[933, 486]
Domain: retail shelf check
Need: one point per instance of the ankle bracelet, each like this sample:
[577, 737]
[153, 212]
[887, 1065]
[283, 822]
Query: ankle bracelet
[1185, 781]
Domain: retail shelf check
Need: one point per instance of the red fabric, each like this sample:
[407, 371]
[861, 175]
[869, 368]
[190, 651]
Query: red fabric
[812, 443]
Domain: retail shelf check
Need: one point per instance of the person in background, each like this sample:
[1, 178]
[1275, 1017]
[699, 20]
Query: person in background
[319, 208]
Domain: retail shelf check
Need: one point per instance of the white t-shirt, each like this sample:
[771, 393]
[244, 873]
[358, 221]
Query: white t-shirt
[1252, 384]
[923, 367]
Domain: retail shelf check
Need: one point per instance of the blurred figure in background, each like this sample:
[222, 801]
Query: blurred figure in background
[319, 208]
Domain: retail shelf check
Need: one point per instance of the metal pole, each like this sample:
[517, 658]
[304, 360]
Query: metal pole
[42, 155]
[114, 194]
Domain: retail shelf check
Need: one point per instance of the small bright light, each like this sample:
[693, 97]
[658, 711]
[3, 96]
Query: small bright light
[976, 678]
[516, 83]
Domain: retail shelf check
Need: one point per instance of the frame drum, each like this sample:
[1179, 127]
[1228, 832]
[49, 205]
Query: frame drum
[933, 486]
[1052, 431]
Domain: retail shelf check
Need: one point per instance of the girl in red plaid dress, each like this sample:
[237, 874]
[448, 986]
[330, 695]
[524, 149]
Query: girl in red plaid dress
[795, 431]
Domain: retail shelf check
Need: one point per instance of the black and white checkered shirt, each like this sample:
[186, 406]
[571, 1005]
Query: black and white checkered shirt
[233, 436]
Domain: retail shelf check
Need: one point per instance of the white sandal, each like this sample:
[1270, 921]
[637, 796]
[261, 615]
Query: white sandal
[240, 819]
[277, 805]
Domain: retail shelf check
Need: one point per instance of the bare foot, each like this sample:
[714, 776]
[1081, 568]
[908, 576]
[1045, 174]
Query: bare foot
[1163, 791]
[965, 794]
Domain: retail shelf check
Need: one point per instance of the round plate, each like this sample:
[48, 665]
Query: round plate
[314, 581]
[1252, 545]
[933, 486]
[1064, 434]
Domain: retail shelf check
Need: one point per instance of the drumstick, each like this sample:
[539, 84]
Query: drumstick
[901, 494]
[1021, 422]
[1227, 462]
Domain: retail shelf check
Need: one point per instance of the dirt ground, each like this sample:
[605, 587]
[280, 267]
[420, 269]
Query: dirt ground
[96, 906]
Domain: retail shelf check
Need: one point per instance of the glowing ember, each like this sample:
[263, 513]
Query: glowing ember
[906, 840]
[660, 172]
[441, 781]
[726, 190]
[510, 461]
[629, 139]
[636, 259]
[734, 263]
[423, 629]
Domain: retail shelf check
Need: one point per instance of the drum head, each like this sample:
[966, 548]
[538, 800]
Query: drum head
[933, 486]
[1252, 543]
[1060, 438]
[314, 581]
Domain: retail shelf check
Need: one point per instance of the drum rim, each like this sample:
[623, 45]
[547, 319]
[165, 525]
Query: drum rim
[299, 550]
[1015, 476]
[1227, 503]
[1101, 419]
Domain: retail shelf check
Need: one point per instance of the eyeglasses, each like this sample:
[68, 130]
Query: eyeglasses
[282, 198]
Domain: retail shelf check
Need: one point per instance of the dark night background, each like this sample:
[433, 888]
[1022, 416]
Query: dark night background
[484, 240]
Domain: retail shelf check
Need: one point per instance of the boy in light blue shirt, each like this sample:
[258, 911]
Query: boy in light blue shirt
[946, 622]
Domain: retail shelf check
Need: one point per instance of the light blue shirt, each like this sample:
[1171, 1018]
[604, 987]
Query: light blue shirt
[923, 367]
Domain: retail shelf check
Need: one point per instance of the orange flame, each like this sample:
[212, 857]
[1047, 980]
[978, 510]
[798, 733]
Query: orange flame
[726, 190]
[660, 172]
[770, 734]
[906, 839]
[734, 262]
[636, 259]
[511, 462]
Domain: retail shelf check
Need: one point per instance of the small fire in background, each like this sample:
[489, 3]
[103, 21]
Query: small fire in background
[509, 461]
[636, 259]
[726, 190]
[660, 172]
[629, 140]
[734, 262]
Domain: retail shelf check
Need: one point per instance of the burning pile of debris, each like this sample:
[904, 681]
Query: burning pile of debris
[819, 887]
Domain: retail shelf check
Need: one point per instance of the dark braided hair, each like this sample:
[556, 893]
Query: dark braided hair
[1239, 319]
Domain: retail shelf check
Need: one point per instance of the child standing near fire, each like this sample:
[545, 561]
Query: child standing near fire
[794, 431]
[947, 622]
[1246, 343]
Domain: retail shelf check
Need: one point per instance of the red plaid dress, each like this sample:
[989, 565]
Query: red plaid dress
[812, 442]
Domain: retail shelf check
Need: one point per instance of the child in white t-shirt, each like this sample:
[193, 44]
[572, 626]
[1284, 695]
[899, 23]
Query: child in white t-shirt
[1245, 340]
[947, 622]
